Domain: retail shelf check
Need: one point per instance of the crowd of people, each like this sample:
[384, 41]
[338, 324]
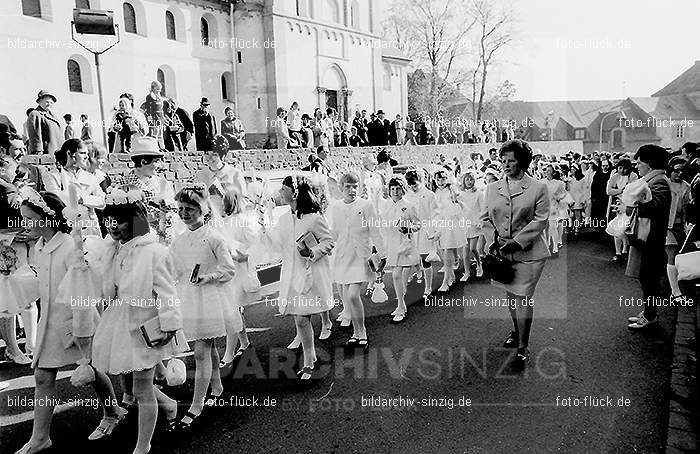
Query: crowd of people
[157, 268]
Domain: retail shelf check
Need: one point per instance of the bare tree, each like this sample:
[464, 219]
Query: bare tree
[434, 34]
[494, 31]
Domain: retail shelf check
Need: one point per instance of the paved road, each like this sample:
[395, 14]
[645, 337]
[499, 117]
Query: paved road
[444, 357]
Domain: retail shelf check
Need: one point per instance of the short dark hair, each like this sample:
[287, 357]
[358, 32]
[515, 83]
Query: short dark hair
[68, 117]
[220, 146]
[70, 146]
[653, 155]
[691, 148]
[625, 163]
[128, 96]
[383, 156]
[413, 177]
[521, 152]
[134, 214]
[139, 160]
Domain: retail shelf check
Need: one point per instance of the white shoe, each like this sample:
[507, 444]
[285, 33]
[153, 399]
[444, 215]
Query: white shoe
[342, 316]
[637, 317]
[464, 278]
[325, 333]
[399, 317]
[20, 359]
[296, 343]
[479, 271]
[345, 323]
[107, 425]
[444, 287]
[642, 323]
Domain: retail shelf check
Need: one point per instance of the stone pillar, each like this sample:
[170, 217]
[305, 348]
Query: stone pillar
[345, 96]
[321, 91]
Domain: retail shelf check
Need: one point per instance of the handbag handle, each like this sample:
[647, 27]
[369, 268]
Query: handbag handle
[687, 237]
[495, 240]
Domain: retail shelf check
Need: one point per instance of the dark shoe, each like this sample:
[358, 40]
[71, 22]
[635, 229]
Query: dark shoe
[305, 373]
[363, 344]
[511, 341]
[352, 342]
[521, 359]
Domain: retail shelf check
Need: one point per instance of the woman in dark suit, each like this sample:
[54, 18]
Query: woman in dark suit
[517, 206]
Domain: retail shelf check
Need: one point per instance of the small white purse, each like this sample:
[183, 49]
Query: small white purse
[688, 264]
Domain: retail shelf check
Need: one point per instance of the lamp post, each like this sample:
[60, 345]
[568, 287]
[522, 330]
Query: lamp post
[96, 22]
[602, 120]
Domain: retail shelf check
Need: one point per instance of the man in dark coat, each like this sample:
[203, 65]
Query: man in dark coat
[359, 123]
[204, 127]
[43, 128]
[385, 132]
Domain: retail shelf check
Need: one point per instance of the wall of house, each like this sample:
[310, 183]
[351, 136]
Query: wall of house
[39, 49]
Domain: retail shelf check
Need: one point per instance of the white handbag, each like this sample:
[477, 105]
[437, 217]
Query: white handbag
[688, 264]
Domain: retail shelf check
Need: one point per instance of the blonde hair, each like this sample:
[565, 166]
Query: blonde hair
[233, 200]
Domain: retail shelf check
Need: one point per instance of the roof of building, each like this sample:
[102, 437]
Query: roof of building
[579, 114]
[389, 50]
[687, 82]
[673, 106]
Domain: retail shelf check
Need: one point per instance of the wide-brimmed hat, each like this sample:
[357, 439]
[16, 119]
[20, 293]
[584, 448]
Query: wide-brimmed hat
[204, 102]
[145, 146]
[45, 93]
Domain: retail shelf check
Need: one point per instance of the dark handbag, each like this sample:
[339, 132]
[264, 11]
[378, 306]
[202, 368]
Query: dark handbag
[495, 266]
[638, 229]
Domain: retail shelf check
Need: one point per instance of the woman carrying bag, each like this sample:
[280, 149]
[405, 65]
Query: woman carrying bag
[516, 216]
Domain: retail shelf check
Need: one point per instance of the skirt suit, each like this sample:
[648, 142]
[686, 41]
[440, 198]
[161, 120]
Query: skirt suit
[206, 308]
[306, 284]
[59, 321]
[355, 231]
[519, 209]
[139, 285]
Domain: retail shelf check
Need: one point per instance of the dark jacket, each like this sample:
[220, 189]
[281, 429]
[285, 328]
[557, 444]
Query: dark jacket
[204, 129]
[9, 215]
[45, 132]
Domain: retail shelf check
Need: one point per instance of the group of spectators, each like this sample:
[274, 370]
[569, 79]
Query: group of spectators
[158, 116]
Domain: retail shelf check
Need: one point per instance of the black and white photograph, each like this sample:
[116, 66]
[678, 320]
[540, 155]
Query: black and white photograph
[349, 226]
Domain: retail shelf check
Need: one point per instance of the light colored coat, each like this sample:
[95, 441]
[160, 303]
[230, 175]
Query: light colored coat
[52, 261]
[521, 216]
[303, 280]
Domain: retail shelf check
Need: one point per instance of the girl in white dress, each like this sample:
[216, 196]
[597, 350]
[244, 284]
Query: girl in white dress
[65, 330]
[217, 173]
[203, 269]
[472, 201]
[138, 286]
[401, 222]
[238, 227]
[450, 235]
[618, 181]
[557, 207]
[355, 231]
[580, 193]
[305, 240]
[424, 201]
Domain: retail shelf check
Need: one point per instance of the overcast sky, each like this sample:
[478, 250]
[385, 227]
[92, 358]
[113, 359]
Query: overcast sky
[599, 49]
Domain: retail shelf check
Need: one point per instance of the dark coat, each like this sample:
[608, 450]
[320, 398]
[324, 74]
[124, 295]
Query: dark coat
[9, 214]
[647, 261]
[45, 132]
[204, 129]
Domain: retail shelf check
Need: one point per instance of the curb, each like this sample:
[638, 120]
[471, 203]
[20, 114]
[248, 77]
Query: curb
[684, 405]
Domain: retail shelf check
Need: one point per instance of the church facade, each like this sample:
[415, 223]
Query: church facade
[254, 56]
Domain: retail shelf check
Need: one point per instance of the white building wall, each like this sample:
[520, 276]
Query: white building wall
[128, 67]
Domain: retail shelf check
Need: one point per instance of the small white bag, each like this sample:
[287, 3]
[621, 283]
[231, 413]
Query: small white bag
[175, 372]
[688, 264]
[617, 226]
